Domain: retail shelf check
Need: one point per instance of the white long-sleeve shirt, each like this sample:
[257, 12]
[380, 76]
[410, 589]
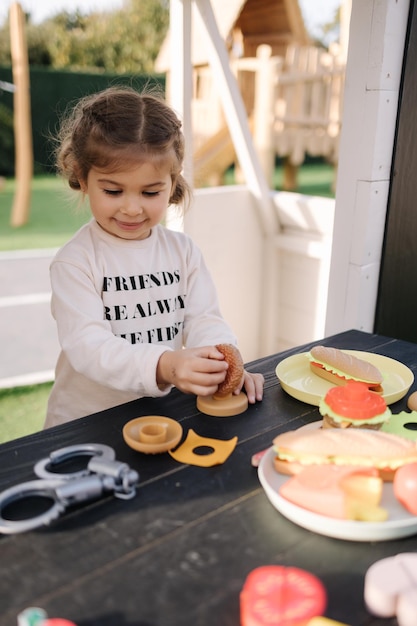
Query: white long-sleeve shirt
[120, 304]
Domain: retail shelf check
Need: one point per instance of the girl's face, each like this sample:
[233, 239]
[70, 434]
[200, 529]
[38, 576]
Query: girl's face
[129, 203]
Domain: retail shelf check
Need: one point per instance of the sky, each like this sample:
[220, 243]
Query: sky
[315, 12]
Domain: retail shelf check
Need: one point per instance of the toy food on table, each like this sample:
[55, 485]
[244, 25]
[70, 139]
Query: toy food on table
[342, 492]
[353, 406]
[152, 434]
[405, 486]
[338, 367]
[274, 595]
[34, 616]
[390, 588]
[224, 403]
[412, 401]
[57, 621]
[218, 451]
[403, 424]
[323, 621]
[234, 373]
[300, 448]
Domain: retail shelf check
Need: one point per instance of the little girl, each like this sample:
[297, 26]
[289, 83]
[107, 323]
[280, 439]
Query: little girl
[135, 306]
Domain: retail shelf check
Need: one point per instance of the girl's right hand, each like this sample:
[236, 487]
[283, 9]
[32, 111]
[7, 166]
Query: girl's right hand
[194, 370]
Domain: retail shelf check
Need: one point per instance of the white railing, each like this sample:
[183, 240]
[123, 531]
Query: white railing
[308, 104]
[224, 223]
[294, 105]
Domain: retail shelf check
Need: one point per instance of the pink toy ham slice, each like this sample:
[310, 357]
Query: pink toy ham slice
[342, 492]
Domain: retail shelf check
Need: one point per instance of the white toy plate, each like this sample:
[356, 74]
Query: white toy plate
[399, 524]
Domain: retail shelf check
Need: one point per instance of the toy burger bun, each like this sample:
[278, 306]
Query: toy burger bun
[301, 448]
[338, 367]
[234, 373]
[353, 406]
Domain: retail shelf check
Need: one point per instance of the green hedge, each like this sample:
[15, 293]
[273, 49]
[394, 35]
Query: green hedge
[51, 92]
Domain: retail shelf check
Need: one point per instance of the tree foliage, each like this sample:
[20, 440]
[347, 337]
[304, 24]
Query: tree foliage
[122, 41]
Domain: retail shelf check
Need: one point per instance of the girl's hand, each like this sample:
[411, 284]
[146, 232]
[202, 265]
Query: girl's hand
[194, 370]
[254, 387]
[201, 370]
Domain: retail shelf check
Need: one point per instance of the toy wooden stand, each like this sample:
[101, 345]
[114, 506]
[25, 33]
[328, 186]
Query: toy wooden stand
[223, 406]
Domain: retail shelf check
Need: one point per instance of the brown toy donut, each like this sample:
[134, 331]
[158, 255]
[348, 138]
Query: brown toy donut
[234, 373]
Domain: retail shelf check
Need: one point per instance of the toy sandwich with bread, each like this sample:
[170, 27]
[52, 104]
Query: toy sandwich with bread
[340, 473]
[338, 367]
[298, 449]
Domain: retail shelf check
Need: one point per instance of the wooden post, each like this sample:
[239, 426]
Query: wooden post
[290, 178]
[21, 117]
[236, 117]
[263, 111]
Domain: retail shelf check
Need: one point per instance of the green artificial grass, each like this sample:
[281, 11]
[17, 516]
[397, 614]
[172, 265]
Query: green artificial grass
[22, 410]
[314, 179]
[54, 215]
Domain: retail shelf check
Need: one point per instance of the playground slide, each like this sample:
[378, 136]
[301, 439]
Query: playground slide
[213, 158]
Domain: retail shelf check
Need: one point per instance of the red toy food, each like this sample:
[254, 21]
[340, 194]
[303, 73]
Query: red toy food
[353, 406]
[57, 621]
[274, 595]
[338, 367]
[405, 486]
[234, 373]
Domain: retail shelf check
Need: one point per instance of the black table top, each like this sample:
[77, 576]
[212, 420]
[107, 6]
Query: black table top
[179, 552]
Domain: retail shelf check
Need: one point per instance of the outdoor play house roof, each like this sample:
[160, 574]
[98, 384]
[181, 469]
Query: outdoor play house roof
[244, 26]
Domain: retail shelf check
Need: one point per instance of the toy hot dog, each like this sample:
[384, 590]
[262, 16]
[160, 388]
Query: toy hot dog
[338, 367]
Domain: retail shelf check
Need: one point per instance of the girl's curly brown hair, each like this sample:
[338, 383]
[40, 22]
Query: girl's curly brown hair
[118, 126]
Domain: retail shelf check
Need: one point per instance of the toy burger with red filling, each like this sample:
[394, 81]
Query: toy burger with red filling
[338, 367]
[353, 406]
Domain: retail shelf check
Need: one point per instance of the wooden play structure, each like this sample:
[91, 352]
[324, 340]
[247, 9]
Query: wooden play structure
[22, 117]
[291, 90]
